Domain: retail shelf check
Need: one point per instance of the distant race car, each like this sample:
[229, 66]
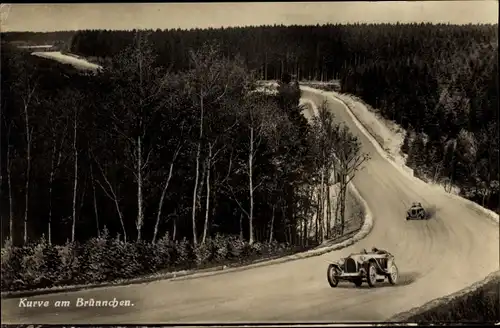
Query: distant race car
[416, 212]
[372, 267]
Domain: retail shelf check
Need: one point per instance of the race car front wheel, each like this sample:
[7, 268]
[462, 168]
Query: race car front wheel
[393, 274]
[371, 276]
[332, 276]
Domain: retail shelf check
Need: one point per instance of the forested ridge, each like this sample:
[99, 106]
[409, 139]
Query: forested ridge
[439, 82]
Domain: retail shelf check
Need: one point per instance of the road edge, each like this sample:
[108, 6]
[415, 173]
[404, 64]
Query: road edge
[193, 274]
[404, 316]
[402, 168]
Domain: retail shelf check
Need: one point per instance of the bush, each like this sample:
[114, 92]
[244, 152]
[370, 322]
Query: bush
[104, 259]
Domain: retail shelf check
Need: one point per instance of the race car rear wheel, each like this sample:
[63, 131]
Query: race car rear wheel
[332, 276]
[371, 276]
[393, 274]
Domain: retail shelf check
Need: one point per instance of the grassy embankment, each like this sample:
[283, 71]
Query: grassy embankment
[479, 303]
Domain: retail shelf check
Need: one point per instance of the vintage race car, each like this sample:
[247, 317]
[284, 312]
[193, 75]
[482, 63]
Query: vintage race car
[416, 212]
[372, 267]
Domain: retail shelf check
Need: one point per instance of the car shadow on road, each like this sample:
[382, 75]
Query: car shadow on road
[405, 279]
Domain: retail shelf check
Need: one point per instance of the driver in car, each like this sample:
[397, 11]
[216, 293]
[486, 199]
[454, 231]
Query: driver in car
[378, 251]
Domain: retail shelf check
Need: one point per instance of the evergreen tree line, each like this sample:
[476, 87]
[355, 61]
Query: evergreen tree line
[439, 82]
[140, 151]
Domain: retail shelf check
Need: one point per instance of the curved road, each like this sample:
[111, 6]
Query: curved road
[436, 257]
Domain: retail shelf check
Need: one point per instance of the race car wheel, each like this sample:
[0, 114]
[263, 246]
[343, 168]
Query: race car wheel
[393, 274]
[358, 282]
[332, 276]
[371, 276]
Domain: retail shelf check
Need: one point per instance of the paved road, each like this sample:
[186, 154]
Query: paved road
[436, 257]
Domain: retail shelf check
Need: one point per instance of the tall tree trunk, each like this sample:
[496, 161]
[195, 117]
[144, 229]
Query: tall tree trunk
[96, 213]
[344, 200]
[75, 181]
[28, 171]
[201, 186]
[318, 213]
[53, 167]
[11, 205]
[272, 225]
[322, 202]
[207, 202]
[250, 185]
[174, 229]
[197, 175]
[343, 189]
[328, 211]
[122, 222]
[82, 196]
[336, 221]
[51, 180]
[437, 171]
[140, 209]
[140, 166]
[306, 233]
[241, 226]
[112, 195]
[162, 199]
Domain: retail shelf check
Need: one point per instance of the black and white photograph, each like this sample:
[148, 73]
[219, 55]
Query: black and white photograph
[246, 163]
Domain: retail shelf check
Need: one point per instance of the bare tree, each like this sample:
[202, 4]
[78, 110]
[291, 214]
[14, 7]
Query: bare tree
[54, 166]
[9, 185]
[280, 127]
[111, 194]
[207, 201]
[256, 117]
[180, 144]
[325, 147]
[350, 160]
[204, 82]
[140, 96]
[339, 159]
[75, 178]
[27, 99]
[96, 212]
[211, 160]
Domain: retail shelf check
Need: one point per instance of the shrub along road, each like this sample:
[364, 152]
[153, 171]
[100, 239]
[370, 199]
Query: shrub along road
[436, 257]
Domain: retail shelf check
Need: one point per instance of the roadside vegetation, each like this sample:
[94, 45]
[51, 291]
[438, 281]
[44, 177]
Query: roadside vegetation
[478, 306]
[139, 168]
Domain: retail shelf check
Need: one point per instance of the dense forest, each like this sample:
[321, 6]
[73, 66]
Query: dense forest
[142, 151]
[116, 162]
[439, 82]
